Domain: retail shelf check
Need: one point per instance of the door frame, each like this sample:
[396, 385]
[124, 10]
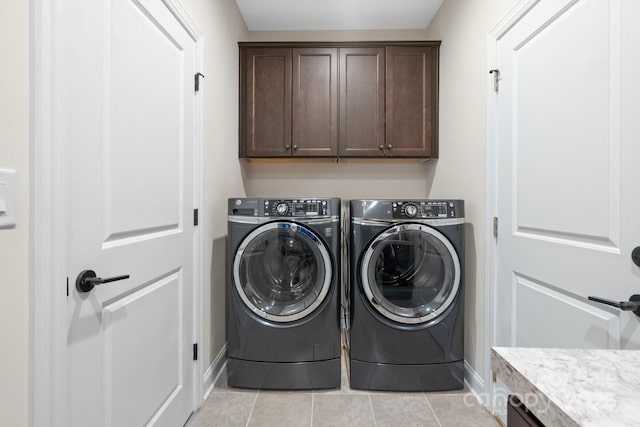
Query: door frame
[48, 212]
[489, 398]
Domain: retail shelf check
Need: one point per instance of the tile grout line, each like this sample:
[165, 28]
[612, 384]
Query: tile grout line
[312, 403]
[252, 408]
[375, 422]
[432, 411]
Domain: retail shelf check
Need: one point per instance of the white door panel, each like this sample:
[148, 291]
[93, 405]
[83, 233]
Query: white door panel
[567, 192]
[126, 88]
[580, 322]
[144, 365]
[150, 128]
[562, 153]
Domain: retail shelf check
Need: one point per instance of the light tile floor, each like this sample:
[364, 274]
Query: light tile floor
[337, 408]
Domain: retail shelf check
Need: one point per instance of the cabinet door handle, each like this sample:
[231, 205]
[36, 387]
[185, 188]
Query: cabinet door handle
[381, 147]
[389, 146]
[286, 147]
[295, 147]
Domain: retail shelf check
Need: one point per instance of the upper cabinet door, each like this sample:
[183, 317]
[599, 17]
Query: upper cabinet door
[267, 102]
[412, 101]
[362, 102]
[315, 102]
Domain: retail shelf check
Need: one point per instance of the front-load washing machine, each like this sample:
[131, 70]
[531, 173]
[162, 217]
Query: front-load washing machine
[283, 293]
[406, 295]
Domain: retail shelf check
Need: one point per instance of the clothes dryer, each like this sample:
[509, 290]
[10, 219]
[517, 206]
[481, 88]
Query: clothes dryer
[283, 293]
[406, 301]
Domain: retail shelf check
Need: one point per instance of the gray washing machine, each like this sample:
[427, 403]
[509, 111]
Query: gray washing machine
[283, 293]
[406, 329]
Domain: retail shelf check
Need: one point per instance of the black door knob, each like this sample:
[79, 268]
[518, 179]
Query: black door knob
[635, 255]
[87, 280]
[632, 305]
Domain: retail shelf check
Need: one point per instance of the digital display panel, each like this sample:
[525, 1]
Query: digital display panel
[438, 210]
[303, 209]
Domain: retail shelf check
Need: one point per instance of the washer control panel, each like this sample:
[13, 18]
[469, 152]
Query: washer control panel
[408, 209]
[295, 208]
[311, 207]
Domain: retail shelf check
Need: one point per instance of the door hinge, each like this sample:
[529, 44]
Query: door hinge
[195, 217]
[496, 79]
[195, 351]
[197, 80]
[495, 227]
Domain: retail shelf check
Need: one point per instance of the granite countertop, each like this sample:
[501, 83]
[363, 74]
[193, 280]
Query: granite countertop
[572, 387]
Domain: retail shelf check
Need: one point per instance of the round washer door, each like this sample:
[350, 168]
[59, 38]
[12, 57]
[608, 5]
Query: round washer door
[282, 271]
[410, 273]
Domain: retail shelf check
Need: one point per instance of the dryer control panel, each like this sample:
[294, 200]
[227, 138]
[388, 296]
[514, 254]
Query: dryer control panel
[408, 209]
[416, 209]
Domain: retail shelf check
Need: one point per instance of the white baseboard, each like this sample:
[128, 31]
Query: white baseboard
[213, 372]
[475, 384]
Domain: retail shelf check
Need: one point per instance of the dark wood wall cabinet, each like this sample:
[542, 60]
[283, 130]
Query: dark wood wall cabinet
[339, 100]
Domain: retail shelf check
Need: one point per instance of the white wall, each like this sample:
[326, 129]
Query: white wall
[462, 25]
[14, 154]
[222, 27]
[346, 179]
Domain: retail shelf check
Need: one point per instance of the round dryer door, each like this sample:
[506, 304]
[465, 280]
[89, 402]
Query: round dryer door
[410, 273]
[282, 271]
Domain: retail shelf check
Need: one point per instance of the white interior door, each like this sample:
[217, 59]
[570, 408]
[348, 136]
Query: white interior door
[127, 98]
[568, 173]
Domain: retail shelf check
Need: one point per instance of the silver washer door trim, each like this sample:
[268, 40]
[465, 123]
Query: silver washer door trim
[325, 285]
[366, 260]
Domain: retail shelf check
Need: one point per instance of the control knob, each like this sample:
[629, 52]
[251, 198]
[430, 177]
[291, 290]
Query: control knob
[410, 210]
[282, 208]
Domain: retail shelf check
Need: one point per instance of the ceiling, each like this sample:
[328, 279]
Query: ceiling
[286, 15]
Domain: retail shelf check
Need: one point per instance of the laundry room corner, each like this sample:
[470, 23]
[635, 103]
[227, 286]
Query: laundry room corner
[460, 170]
[463, 26]
[221, 26]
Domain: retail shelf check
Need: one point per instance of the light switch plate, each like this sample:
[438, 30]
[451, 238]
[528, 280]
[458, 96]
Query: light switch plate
[8, 182]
